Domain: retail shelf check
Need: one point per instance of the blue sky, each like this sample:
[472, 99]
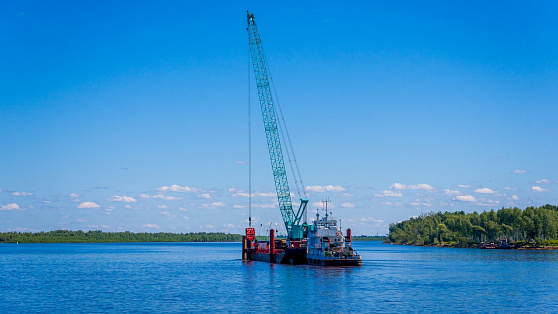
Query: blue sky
[134, 117]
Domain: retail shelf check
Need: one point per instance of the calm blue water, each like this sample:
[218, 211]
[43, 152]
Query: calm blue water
[199, 277]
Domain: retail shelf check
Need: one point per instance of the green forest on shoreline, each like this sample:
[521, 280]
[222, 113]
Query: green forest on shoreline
[97, 236]
[68, 236]
[531, 227]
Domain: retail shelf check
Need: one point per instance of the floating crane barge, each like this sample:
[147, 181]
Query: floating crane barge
[322, 243]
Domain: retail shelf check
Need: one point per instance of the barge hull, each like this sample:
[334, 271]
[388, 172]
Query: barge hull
[292, 256]
[334, 262]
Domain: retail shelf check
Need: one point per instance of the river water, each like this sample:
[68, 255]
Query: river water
[201, 277]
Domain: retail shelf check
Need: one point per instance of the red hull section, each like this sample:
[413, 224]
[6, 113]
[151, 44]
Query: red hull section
[277, 251]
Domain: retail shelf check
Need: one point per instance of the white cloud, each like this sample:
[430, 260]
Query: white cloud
[322, 204]
[239, 206]
[389, 193]
[418, 203]
[422, 186]
[125, 199]
[451, 192]
[539, 189]
[266, 194]
[21, 194]
[484, 191]
[163, 197]
[74, 195]
[177, 188]
[229, 225]
[544, 181]
[145, 196]
[88, 205]
[242, 194]
[185, 217]
[168, 215]
[507, 188]
[327, 188]
[205, 195]
[371, 219]
[150, 226]
[172, 198]
[515, 197]
[128, 207]
[398, 186]
[348, 205]
[241, 162]
[519, 171]
[162, 207]
[466, 198]
[12, 206]
[264, 205]
[109, 209]
[464, 186]
[213, 205]
[256, 194]
[397, 204]
[488, 203]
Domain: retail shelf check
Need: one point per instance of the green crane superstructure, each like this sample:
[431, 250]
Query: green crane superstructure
[295, 229]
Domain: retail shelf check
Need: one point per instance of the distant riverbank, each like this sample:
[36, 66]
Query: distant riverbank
[491, 246]
[369, 238]
[534, 228]
[68, 236]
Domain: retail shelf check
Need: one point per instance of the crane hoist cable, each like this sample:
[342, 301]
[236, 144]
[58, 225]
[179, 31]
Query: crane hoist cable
[287, 139]
[249, 142]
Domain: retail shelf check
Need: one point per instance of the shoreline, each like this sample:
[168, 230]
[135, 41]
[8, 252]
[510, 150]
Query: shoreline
[108, 242]
[520, 248]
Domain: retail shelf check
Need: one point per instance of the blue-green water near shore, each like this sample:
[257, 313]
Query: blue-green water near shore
[200, 277]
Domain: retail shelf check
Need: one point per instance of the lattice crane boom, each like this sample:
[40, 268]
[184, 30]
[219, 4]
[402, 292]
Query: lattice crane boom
[259, 64]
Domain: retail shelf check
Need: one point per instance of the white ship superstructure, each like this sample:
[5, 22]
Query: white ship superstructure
[327, 246]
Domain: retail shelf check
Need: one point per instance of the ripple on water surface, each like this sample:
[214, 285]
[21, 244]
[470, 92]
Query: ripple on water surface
[196, 277]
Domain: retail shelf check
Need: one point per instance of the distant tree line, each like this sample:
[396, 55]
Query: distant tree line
[369, 238]
[537, 225]
[97, 236]
[67, 236]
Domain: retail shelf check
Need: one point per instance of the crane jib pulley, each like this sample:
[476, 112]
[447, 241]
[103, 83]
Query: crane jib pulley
[292, 220]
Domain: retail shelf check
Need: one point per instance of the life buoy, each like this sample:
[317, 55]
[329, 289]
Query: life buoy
[339, 233]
